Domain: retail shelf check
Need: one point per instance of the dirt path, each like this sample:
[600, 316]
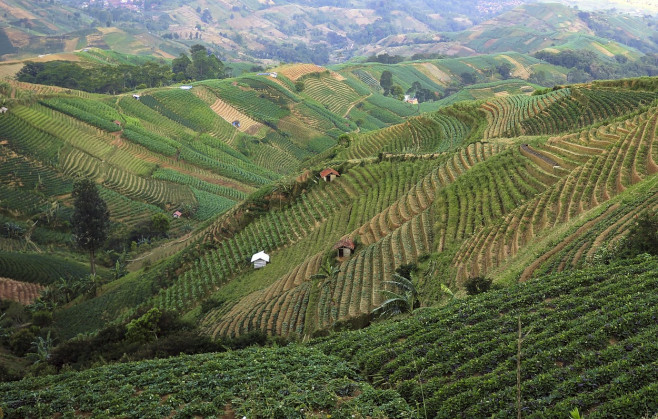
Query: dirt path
[354, 104]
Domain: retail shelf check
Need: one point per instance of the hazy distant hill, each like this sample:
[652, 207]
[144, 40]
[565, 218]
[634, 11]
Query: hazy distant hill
[319, 32]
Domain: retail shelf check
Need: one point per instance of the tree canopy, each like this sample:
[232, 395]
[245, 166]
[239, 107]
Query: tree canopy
[91, 218]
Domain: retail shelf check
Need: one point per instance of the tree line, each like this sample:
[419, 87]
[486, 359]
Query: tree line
[586, 65]
[113, 79]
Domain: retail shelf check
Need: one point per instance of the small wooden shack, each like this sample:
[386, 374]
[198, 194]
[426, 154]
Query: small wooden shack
[329, 174]
[177, 214]
[260, 259]
[345, 247]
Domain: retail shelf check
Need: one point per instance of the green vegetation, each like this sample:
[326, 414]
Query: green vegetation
[294, 380]
[599, 357]
[590, 345]
[474, 196]
[91, 219]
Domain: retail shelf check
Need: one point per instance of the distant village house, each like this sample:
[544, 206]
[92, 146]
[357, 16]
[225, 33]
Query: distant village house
[329, 174]
[411, 100]
[260, 259]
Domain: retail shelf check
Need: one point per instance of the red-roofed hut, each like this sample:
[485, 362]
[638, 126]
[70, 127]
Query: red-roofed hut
[329, 174]
[345, 247]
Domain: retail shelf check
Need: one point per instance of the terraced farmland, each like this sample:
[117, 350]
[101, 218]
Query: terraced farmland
[295, 71]
[391, 236]
[335, 95]
[560, 110]
[231, 115]
[504, 115]
[601, 163]
[584, 106]
[591, 346]
[425, 134]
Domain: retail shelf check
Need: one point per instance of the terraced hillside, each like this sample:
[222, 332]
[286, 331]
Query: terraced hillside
[588, 343]
[596, 165]
[559, 111]
[423, 190]
[482, 205]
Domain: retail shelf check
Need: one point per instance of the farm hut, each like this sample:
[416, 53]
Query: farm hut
[236, 123]
[345, 247]
[117, 122]
[186, 87]
[329, 174]
[177, 214]
[260, 259]
[3, 110]
[136, 97]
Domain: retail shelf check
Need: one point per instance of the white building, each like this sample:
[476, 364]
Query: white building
[260, 259]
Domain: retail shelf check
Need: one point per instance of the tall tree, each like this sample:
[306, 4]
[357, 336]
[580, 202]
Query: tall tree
[386, 81]
[179, 65]
[91, 219]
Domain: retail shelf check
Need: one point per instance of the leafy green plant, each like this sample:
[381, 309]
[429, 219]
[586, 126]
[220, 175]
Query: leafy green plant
[404, 301]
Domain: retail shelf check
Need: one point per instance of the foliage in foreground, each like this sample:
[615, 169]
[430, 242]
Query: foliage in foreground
[591, 345]
[256, 382]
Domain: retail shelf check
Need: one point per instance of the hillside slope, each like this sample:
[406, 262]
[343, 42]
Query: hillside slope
[588, 343]
[449, 191]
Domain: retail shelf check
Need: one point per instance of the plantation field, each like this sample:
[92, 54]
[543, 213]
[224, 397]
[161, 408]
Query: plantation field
[39, 268]
[299, 379]
[480, 205]
[599, 357]
[588, 342]
[600, 164]
[390, 234]
[295, 71]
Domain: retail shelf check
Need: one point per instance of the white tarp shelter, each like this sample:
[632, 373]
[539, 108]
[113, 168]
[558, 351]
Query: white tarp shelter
[260, 259]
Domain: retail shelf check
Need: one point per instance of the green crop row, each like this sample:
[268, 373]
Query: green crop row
[210, 205]
[182, 178]
[39, 268]
[151, 141]
[588, 334]
[29, 140]
[87, 116]
[256, 382]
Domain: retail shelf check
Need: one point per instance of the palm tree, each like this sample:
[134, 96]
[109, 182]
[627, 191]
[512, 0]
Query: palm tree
[396, 303]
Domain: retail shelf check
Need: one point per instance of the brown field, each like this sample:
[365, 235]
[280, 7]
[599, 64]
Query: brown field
[230, 114]
[519, 70]
[23, 292]
[18, 13]
[295, 71]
